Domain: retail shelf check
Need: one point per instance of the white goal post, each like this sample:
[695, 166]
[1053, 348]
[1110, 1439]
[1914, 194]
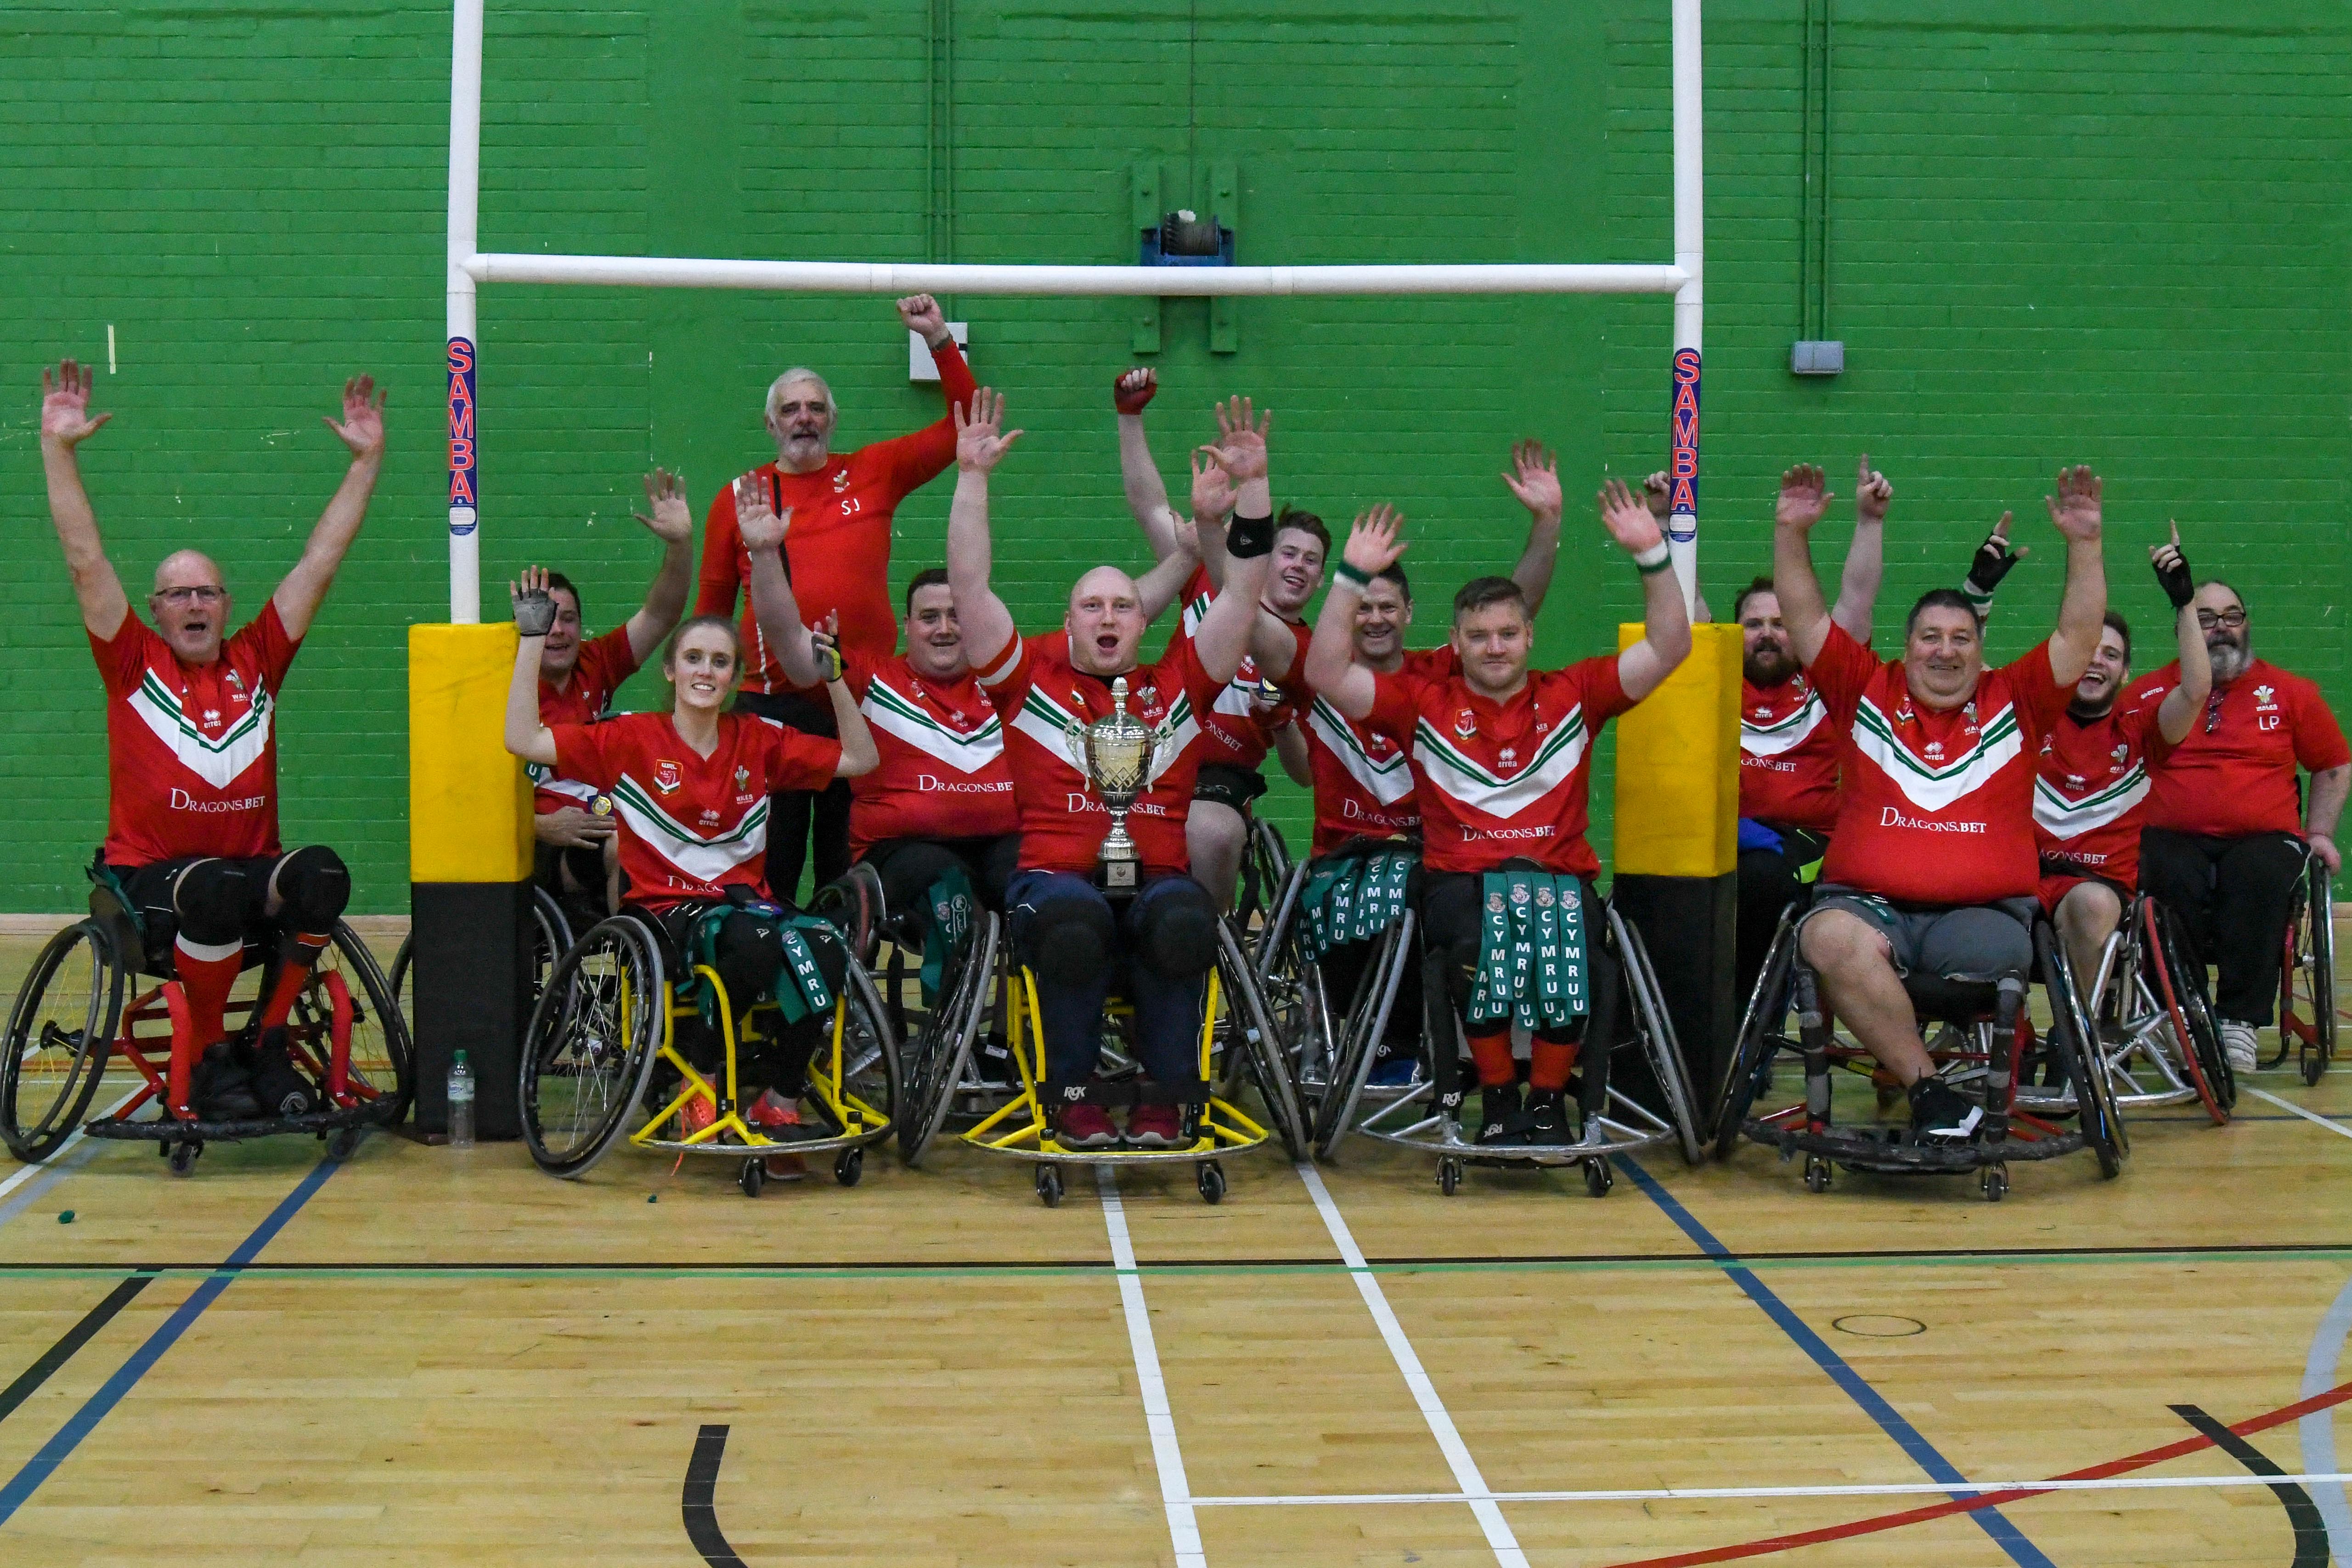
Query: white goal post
[470, 267]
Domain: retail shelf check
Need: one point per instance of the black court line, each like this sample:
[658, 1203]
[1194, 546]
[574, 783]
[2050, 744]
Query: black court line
[695, 1502]
[2310, 1530]
[72, 1340]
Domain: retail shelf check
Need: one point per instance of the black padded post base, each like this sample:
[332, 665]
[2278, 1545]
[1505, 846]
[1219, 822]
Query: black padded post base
[469, 975]
[1689, 925]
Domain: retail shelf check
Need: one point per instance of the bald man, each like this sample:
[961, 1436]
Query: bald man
[1156, 937]
[192, 757]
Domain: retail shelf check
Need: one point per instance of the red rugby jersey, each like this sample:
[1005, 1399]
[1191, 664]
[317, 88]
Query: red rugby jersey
[1935, 807]
[1788, 755]
[692, 827]
[604, 662]
[1233, 731]
[2235, 774]
[192, 749]
[2091, 785]
[943, 772]
[1363, 779]
[1043, 698]
[1499, 780]
[838, 549]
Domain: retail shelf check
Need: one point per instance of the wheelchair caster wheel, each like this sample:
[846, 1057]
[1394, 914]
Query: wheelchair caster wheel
[753, 1178]
[1995, 1182]
[2313, 1064]
[342, 1144]
[1449, 1176]
[1598, 1178]
[1049, 1186]
[1817, 1174]
[1212, 1182]
[183, 1158]
[848, 1166]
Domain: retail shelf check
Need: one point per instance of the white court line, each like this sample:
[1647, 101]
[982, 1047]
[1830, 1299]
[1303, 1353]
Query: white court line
[1483, 1502]
[2333, 1126]
[1175, 1492]
[51, 1164]
[1671, 1494]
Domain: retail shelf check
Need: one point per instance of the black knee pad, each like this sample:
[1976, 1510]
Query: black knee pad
[313, 888]
[216, 900]
[1176, 932]
[1070, 940]
[748, 950]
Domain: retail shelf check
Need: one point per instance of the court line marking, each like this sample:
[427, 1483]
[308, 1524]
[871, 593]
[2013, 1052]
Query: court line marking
[1699, 1494]
[1167, 1457]
[2301, 1515]
[698, 1500]
[68, 1437]
[2316, 1431]
[1992, 1521]
[2333, 1126]
[30, 1379]
[78, 1150]
[1473, 1489]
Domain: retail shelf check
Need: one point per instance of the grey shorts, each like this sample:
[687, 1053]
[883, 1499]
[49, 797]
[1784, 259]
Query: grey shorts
[1971, 942]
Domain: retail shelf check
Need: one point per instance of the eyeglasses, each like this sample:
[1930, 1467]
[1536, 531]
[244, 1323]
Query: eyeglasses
[204, 596]
[2232, 619]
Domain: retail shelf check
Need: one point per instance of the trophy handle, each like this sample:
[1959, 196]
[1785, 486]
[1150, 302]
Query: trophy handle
[1074, 741]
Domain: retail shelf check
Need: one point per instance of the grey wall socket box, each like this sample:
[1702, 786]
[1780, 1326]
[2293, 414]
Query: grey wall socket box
[1817, 357]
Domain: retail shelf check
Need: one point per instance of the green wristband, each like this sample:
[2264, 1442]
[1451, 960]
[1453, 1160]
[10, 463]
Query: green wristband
[1348, 573]
[1649, 568]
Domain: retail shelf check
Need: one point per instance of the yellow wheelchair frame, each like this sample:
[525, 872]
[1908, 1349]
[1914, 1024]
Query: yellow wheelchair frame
[1222, 1128]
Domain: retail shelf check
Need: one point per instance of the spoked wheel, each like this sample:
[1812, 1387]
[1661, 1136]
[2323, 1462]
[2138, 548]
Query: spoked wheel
[1253, 1035]
[937, 1056]
[60, 1033]
[2074, 1040]
[1265, 866]
[551, 939]
[2179, 986]
[2307, 977]
[404, 992]
[347, 994]
[1656, 1028]
[869, 1052]
[1751, 1059]
[589, 1048]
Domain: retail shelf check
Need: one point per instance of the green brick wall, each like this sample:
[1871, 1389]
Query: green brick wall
[2116, 237]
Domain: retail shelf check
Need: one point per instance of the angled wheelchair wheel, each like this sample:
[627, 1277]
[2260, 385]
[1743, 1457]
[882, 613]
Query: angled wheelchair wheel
[590, 1047]
[2307, 975]
[1265, 866]
[60, 1033]
[870, 1066]
[1655, 1026]
[1365, 1025]
[937, 1057]
[551, 939]
[1262, 1054]
[403, 994]
[1751, 1067]
[349, 1008]
[2074, 1040]
[2180, 987]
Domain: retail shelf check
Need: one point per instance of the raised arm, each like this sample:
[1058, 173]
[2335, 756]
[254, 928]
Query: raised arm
[1223, 637]
[916, 459]
[778, 613]
[534, 613]
[1212, 503]
[1159, 587]
[859, 755]
[1533, 477]
[987, 623]
[2178, 710]
[66, 424]
[1332, 670]
[1665, 623]
[1802, 500]
[672, 523]
[1138, 475]
[304, 588]
[1996, 558]
[1865, 556]
[1290, 745]
[2074, 512]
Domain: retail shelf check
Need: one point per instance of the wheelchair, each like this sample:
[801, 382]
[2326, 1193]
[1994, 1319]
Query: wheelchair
[604, 1033]
[1979, 1047]
[2157, 1040]
[1265, 872]
[550, 937]
[1238, 1044]
[87, 1001]
[2308, 1017]
[1628, 1020]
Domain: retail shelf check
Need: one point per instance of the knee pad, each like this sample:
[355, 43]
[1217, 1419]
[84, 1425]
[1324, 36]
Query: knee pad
[313, 888]
[749, 954]
[216, 900]
[1176, 932]
[1070, 940]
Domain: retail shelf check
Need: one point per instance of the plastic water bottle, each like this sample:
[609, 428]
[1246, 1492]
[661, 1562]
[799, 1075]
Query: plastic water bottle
[461, 1103]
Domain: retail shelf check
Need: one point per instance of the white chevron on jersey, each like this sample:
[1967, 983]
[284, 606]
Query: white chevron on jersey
[214, 761]
[1467, 782]
[703, 859]
[887, 708]
[2063, 818]
[1932, 786]
[543, 777]
[1388, 782]
[1054, 727]
[1788, 734]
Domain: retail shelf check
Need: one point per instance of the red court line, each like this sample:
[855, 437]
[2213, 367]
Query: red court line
[2339, 1395]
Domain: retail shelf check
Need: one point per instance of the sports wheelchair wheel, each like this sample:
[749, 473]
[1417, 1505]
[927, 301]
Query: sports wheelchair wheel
[2073, 1038]
[2307, 974]
[590, 1047]
[1662, 1048]
[2176, 983]
[60, 1033]
[1253, 1045]
[939, 1053]
[551, 939]
[403, 994]
[347, 991]
[1760, 1037]
[1266, 867]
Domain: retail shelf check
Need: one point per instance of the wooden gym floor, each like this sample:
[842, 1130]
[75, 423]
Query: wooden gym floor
[428, 1357]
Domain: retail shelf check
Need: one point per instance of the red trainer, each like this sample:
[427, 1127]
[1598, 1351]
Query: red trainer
[769, 1114]
[1155, 1127]
[696, 1114]
[1084, 1127]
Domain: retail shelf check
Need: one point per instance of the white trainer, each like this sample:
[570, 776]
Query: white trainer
[2237, 1045]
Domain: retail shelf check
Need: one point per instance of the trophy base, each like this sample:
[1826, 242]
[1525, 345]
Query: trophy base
[1117, 877]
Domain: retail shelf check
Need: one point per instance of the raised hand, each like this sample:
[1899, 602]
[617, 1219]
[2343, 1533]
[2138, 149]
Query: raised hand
[362, 425]
[979, 447]
[1241, 440]
[1372, 544]
[922, 314]
[1213, 489]
[755, 516]
[1803, 497]
[1628, 519]
[2074, 510]
[65, 405]
[1533, 477]
[1659, 491]
[673, 520]
[2172, 572]
[1131, 389]
[825, 641]
[1871, 492]
[535, 606]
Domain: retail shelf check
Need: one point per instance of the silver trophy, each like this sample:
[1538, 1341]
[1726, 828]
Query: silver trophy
[1115, 754]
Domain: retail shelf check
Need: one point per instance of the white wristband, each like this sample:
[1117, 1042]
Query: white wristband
[1651, 559]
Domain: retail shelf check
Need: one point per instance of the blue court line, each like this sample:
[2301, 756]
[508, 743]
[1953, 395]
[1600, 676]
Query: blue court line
[58, 1450]
[2005, 1535]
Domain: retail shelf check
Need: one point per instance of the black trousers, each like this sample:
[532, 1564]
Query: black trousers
[1769, 884]
[908, 866]
[2231, 896]
[800, 820]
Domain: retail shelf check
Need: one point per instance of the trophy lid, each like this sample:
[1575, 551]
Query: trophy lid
[1119, 696]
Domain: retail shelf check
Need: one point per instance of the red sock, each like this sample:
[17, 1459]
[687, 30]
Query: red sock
[302, 949]
[1492, 1053]
[1551, 1065]
[206, 972]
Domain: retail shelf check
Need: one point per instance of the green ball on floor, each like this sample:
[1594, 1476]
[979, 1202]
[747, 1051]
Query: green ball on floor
[65, 1217]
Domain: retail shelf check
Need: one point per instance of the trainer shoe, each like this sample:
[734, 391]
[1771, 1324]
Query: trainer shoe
[771, 1117]
[2239, 1045]
[1155, 1127]
[220, 1089]
[1395, 1072]
[1498, 1106]
[278, 1084]
[1545, 1120]
[1939, 1110]
[1084, 1126]
[697, 1115]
